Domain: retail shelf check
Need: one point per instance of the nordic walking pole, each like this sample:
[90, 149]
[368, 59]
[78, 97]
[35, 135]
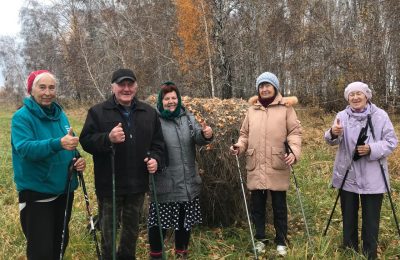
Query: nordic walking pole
[245, 204]
[153, 184]
[67, 190]
[384, 179]
[289, 150]
[92, 228]
[337, 198]
[361, 139]
[390, 198]
[114, 224]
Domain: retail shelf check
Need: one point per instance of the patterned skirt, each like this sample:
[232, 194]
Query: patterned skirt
[169, 214]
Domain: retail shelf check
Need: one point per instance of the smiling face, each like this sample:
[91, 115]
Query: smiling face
[357, 100]
[266, 90]
[44, 90]
[170, 101]
[125, 91]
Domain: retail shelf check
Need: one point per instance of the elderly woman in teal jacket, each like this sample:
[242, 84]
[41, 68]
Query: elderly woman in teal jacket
[43, 146]
[178, 186]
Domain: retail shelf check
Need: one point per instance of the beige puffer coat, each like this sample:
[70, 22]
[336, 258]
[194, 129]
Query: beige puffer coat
[262, 137]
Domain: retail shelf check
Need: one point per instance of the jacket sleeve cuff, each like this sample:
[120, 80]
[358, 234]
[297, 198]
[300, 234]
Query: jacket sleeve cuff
[332, 135]
[374, 154]
[161, 167]
[55, 144]
[207, 139]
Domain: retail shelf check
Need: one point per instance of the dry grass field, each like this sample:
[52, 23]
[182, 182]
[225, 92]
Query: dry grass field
[221, 241]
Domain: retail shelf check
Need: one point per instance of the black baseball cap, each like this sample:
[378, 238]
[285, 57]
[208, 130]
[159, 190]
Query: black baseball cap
[122, 74]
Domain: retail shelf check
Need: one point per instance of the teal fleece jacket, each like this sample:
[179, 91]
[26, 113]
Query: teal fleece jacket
[39, 161]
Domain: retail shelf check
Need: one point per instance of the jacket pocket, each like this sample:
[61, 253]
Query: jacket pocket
[250, 159]
[277, 156]
[56, 176]
[163, 185]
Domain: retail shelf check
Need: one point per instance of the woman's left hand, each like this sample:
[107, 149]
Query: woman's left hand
[363, 149]
[80, 164]
[290, 159]
[207, 131]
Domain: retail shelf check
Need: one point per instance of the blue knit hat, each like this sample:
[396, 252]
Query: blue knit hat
[268, 77]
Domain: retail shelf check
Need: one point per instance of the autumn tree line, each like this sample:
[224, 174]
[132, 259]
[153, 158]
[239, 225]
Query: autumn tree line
[210, 48]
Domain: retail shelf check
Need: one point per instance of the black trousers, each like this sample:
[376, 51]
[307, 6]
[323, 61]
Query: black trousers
[42, 224]
[128, 210]
[371, 207]
[182, 237]
[279, 208]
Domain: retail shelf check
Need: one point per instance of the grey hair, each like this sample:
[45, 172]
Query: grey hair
[38, 77]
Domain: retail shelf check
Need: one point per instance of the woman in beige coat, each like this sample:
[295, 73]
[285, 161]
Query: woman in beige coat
[269, 122]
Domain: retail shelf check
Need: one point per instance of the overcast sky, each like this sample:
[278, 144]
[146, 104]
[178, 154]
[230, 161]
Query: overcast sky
[9, 16]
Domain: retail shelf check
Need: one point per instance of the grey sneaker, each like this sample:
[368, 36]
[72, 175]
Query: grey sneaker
[260, 247]
[281, 250]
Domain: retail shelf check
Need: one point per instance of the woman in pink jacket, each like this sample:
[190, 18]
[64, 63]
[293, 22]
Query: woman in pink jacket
[269, 122]
[364, 181]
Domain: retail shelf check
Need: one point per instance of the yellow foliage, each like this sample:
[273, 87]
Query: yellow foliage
[190, 50]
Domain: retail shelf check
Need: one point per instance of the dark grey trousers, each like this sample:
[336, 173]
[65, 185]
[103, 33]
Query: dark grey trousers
[279, 208]
[128, 210]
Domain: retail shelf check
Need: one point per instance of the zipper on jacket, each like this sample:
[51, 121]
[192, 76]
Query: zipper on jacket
[184, 170]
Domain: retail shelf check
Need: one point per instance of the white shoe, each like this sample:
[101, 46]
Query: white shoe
[281, 250]
[260, 247]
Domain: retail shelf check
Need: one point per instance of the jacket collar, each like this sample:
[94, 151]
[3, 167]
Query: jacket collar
[279, 100]
[35, 109]
[371, 109]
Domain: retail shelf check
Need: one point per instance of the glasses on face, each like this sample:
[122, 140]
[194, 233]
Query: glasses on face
[356, 94]
[265, 84]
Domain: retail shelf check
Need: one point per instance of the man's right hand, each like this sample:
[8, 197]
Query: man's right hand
[117, 134]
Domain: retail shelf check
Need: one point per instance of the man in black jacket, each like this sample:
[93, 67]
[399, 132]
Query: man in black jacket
[132, 128]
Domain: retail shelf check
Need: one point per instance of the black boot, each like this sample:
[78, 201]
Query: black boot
[181, 254]
[155, 256]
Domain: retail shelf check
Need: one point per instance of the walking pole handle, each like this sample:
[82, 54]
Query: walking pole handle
[233, 143]
[288, 149]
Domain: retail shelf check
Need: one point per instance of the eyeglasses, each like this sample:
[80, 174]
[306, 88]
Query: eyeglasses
[356, 94]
